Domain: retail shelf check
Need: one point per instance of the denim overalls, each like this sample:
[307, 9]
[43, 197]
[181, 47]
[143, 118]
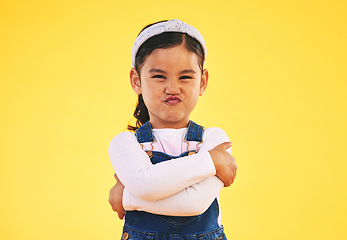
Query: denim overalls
[147, 226]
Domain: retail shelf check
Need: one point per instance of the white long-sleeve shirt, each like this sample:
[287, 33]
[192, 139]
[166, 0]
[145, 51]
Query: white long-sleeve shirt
[183, 186]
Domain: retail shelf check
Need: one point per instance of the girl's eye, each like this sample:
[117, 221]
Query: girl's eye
[158, 76]
[185, 77]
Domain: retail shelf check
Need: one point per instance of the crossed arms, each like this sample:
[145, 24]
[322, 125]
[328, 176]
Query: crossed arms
[181, 187]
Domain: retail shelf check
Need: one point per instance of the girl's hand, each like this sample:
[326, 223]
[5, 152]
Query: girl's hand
[224, 163]
[116, 198]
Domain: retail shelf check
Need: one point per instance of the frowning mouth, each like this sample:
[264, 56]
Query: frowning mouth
[172, 100]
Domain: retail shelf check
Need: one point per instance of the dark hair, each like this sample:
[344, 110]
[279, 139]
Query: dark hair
[163, 40]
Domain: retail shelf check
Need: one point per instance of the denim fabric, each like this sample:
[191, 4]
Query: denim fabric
[143, 235]
[144, 225]
[194, 132]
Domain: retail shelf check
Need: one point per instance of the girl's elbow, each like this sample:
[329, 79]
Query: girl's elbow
[200, 208]
[194, 210]
[197, 206]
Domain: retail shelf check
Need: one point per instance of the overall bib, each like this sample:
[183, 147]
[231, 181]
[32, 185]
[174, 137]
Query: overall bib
[140, 225]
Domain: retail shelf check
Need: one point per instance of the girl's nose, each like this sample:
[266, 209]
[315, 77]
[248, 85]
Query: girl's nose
[172, 87]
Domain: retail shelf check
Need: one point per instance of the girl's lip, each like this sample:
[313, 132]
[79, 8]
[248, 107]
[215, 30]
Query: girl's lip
[173, 98]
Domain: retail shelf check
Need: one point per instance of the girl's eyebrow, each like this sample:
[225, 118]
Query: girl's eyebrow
[188, 71]
[162, 71]
[156, 70]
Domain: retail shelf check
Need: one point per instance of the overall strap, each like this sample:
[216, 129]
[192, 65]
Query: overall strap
[144, 133]
[194, 132]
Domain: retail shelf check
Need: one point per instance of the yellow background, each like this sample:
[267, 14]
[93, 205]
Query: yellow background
[277, 87]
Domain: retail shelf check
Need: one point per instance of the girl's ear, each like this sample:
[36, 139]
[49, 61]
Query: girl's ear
[204, 81]
[135, 81]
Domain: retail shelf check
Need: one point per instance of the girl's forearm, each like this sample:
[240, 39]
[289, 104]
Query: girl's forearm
[153, 182]
[191, 201]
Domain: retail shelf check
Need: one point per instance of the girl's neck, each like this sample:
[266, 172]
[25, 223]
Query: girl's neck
[175, 125]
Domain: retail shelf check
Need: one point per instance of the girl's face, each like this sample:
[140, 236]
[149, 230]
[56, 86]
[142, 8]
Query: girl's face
[171, 83]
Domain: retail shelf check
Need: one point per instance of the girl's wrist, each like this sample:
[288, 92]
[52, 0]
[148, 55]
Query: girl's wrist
[214, 160]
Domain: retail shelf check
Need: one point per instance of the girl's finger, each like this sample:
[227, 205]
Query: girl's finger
[224, 146]
[116, 177]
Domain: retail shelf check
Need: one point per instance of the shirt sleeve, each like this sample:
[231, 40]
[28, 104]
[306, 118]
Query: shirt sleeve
[193, 200]
[153, 182]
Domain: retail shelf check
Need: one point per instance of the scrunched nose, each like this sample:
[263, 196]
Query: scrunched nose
[172, 87]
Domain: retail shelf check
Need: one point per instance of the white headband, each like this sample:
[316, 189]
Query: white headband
[174, 25]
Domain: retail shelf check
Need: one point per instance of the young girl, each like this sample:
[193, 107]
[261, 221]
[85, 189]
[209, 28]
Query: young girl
[170, 171]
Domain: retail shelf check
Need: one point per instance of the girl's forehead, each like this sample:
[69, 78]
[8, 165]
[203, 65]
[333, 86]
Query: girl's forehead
[171, 58]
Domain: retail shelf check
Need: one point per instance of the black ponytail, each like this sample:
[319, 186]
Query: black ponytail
[163, 40]
[140, 113]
